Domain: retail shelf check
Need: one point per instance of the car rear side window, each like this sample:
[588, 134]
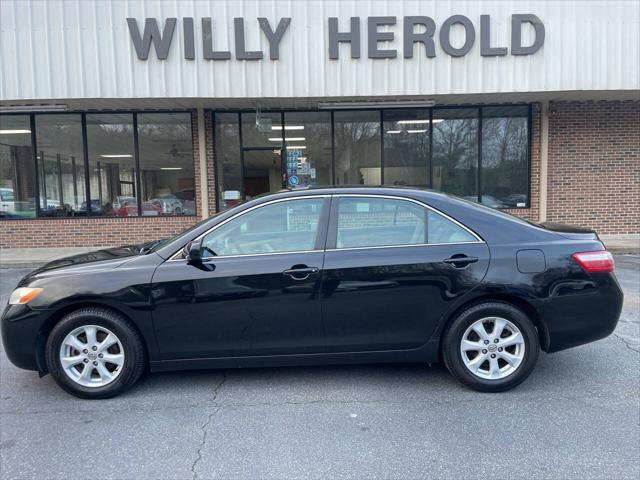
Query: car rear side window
[287, 226]
[376, 222]
[442, 230]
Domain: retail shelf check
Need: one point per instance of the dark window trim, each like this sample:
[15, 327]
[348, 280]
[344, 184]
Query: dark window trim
[381, 147]
[479, 161]
[85, 151]
[34, 148]
[137, 190]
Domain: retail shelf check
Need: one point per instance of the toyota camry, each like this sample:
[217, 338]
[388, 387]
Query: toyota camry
[320, 276]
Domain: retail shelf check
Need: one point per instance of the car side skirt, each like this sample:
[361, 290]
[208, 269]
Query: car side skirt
[428, 353]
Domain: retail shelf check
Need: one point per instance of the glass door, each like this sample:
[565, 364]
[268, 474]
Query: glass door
[262, 172]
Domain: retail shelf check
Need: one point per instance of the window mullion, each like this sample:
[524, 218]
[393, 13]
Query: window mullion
[136, 154]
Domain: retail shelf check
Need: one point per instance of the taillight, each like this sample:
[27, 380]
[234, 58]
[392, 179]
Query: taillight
[600, 261]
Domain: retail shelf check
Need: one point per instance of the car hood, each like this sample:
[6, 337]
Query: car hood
[105, 259]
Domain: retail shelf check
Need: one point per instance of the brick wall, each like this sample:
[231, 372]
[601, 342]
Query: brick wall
[594, 165]
[209, 149]
[77, 232]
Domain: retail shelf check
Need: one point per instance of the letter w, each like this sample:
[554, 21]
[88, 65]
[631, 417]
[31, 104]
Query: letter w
[152, 34]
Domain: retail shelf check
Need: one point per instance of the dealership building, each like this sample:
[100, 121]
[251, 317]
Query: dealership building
[127, 121]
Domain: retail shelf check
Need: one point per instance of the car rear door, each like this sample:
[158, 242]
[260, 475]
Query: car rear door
[392, 269]
[259, 295]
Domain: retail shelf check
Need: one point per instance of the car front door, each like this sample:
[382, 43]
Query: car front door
[392, 268]
[257, 291]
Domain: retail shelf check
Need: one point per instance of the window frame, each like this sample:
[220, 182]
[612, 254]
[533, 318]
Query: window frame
[85, 160]
[332, 233]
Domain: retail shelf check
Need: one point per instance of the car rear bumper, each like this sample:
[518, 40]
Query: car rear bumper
[580, 313]
[20, 327]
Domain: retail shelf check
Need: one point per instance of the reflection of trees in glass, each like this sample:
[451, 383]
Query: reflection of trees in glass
[504, 159]
[357, 139]
[406, 156]
[317, 155]
[60, 163]
[227, 145]
[455, 143]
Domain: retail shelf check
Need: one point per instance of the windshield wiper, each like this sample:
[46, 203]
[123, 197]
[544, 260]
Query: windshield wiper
[148, 247]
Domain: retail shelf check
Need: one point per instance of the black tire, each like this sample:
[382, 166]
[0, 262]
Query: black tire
[134, 352]
[452, 338]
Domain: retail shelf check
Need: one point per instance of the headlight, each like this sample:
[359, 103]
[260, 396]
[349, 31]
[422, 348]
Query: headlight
[23, 295]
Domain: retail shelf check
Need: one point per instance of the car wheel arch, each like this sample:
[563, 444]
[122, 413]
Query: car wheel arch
[512, 300]
[59, 314]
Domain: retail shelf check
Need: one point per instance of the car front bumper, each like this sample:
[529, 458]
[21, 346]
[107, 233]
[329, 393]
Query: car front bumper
[21, 328]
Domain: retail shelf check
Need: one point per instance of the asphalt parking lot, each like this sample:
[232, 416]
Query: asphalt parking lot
[577, 416]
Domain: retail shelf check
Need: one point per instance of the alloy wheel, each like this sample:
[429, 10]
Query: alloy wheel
[92, 356]
[492, 348]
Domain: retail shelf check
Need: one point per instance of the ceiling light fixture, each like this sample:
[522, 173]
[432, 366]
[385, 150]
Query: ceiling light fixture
[292, 139]
[287, 127]
[13, 132]
[411, 122]
[297, 147]
[394, 131]
[416, 131]
[170, 168]
[117, 155]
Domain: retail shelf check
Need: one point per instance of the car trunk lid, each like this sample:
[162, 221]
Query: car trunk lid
[571, 231]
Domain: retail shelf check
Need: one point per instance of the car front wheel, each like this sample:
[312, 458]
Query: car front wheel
[491, 347]
[94, 353]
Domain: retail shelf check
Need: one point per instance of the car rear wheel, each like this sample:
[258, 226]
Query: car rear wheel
[491, 347]
[94, 353]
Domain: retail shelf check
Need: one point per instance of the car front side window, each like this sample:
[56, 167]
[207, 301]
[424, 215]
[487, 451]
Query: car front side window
[286, 226]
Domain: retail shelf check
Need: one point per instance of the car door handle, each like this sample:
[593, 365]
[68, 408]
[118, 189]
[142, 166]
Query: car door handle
[460, 261]
[301, 273]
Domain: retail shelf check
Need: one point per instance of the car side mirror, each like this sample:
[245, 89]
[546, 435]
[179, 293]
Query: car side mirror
[193, 253]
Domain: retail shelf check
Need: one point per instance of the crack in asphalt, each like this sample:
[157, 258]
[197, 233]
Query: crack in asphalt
[205, 425]
[627, 344]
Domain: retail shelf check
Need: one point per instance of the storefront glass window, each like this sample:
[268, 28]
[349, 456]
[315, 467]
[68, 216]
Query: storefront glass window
[455, 151]
[357, 143]
[266, 134]
[309, 160]
[229, 169]
[17, 170]
[61, 165]
[406, 147]
[167, 176]
[505, 147]
[112, 166]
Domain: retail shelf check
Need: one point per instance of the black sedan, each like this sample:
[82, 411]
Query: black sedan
[320, 276]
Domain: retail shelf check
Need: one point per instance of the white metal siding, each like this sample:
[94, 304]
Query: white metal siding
[82, 49]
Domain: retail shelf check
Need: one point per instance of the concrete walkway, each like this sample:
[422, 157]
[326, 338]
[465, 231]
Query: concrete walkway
[27, 257]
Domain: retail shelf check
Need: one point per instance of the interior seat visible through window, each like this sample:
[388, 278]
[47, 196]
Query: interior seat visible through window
[377, 221]
[287, 226]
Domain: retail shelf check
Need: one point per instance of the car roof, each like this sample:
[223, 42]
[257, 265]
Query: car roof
[402, 191]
